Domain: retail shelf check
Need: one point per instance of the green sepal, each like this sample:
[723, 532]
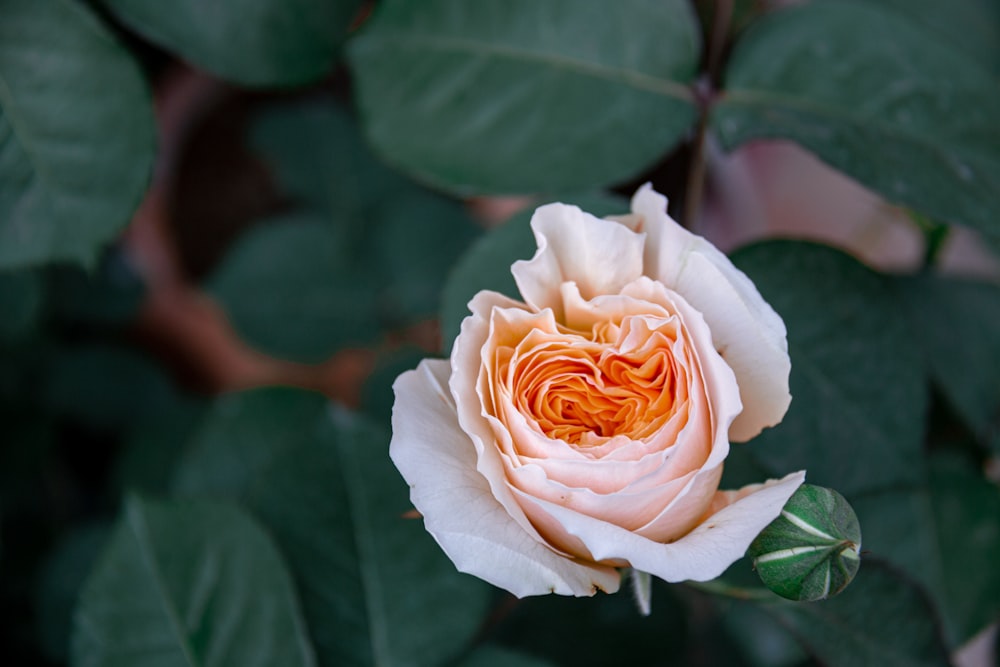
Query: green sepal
[812, 550]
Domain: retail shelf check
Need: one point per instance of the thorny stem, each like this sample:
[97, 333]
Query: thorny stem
[704, 87]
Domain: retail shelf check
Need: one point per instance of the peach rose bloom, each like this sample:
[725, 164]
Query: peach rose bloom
[584, 429]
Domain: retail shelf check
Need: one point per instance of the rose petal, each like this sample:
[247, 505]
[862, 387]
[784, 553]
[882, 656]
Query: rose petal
[703, 554]
[746, 330]
[630, 510]
[601, 257]
[467, 360]
[438, 460]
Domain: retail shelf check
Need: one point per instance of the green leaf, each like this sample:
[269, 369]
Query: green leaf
[486, 264]
[21, 297]
[293, 291]
[763, 642]
[402, 236]
[856, 421]
[241, 434]
[882, 620]
[59, 583]
[315, 152]
[972, 26]
[957, 323]
[76, 133]
[870, 94]
[809, 552]
[597, 631]
[24, 461]
[189, 583]
[251, 42]
[495, 656]
[104, 386]
[377, 396]
[106, 297]
[939, 533]
[415, 241]
[326, 489]
[153, 447]
[521, 96]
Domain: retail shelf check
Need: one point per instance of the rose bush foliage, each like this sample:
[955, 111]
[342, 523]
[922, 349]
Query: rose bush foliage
[585, 428]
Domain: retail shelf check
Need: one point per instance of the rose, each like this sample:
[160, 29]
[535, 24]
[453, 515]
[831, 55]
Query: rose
[584, 429]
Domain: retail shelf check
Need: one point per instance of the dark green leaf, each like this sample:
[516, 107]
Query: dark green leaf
[881, 620]
[521, 96]
[24, 459]
[241, 434]
[189, 583]
[327, 491]
[970, 25]
[403, 236]
[858, 392]
[415, 242]
[957, 323]
[742, 468]
[764, 642]
[376, 394]
[947, 535]
[105, 297]
[76, 133]
[486, 264]
[597, 631]
[153, 447]
[374, 574]
[967, 523]
[252, 42]
[105, 386]
[317, 155]
[495, 656]
[62, 576]
[870, 94]
[810, 551]
[292, 290]
[21, 298]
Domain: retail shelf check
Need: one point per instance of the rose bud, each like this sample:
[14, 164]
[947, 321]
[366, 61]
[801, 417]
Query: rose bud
[812, 550]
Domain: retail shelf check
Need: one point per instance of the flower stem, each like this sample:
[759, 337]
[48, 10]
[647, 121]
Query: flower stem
[694, 191]
[935, 236]
[721, 19]
[717, 587]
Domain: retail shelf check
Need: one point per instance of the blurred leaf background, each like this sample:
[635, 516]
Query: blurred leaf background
[226, 227]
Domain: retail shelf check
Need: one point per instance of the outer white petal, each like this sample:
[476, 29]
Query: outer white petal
[600, 256]
[701, 555]
[438, 461]
[745, 329]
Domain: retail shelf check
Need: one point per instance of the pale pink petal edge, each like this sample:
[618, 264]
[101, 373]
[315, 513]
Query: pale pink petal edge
[599, 256]
[701, 555]
[438, 461]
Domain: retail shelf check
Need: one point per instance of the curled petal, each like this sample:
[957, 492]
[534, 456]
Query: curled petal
[749, 335]
[574, 246]
[438, 460]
